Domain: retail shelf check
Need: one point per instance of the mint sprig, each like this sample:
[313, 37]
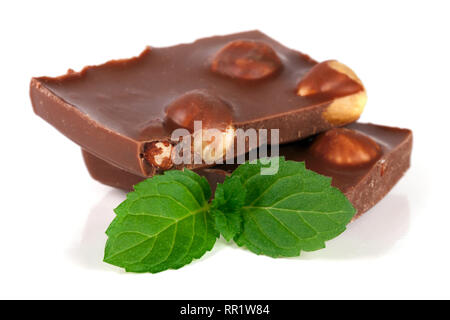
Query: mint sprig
[168, 220]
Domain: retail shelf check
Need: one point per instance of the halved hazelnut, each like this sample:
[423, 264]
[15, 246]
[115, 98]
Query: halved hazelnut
[159, 154]
[247, 60]
[343, 147]
[214, 143]
[339, 82]
[199, 105]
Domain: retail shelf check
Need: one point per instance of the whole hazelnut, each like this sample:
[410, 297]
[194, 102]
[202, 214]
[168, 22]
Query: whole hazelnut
[199, 105]
[339, 82]
[343, 147]
[247, 60]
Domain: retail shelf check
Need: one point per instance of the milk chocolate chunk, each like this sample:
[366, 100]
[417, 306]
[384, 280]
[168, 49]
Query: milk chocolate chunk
[365, 161]
[120, 110]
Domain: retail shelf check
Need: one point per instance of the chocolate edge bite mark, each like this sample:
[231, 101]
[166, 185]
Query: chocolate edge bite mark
[102, 96]
[364, 186]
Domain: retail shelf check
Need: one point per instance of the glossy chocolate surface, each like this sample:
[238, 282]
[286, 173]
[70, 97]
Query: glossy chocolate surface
[113, 109]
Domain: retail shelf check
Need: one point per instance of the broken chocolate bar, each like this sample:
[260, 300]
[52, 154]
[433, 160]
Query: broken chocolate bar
[124, 111]
[364, 161]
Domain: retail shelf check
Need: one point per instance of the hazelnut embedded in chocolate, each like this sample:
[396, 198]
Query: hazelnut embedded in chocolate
[199, 105]
[247, 60]
[159, 154]
[216, 133]
[345, 148]
[337, 81]
[214, 143]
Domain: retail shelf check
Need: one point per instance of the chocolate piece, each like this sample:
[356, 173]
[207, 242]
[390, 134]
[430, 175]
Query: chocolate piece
[109, 174]
[116, 110]
[364, 161]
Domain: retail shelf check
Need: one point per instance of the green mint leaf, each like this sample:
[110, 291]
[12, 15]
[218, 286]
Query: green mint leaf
[296, 209]
[226, 207]
[164, 224]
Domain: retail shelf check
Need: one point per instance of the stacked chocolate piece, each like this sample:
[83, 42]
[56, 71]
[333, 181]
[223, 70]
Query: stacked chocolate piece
[123, 114]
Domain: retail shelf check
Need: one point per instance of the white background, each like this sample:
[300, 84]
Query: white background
[53, 215]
